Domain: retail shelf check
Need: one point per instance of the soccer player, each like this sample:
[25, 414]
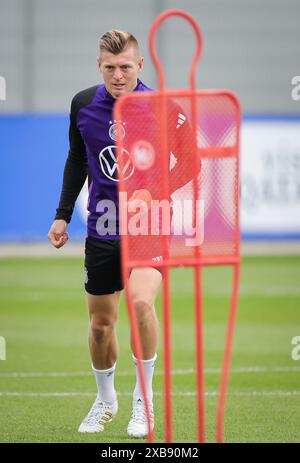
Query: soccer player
[92, 153]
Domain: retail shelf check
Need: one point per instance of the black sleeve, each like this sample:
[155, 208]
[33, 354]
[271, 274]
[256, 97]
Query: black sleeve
[75, 171]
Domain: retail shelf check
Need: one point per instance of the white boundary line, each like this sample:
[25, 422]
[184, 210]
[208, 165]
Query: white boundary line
[63, 374]
[76, 248]
[175, 394]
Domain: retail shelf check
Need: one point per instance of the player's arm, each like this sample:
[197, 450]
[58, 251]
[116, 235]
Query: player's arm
[140, 199]
[75, 173]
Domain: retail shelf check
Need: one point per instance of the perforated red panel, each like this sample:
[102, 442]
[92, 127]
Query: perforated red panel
[183, 149]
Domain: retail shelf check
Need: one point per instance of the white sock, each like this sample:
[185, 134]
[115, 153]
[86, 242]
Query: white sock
[148, 366]
[105, 384]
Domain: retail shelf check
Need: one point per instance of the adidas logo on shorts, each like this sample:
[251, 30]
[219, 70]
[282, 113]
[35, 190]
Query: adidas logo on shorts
[86, 277]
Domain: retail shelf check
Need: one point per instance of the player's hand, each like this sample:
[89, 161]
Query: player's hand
[58, 235]
[140, 199]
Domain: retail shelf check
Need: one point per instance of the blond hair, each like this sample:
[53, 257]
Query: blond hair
[116, 40]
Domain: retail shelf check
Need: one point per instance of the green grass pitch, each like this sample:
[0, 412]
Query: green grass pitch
[46, 386]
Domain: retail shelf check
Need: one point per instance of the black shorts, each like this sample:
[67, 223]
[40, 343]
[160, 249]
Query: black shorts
[103, 271]
[103, 274]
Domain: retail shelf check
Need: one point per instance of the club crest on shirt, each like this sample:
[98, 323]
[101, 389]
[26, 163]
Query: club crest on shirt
[110, 166]
[115, 127]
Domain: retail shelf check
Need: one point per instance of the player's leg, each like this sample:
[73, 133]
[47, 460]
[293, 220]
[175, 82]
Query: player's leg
[103, 343]
[103, 311]
[144, 285]
[103, 285]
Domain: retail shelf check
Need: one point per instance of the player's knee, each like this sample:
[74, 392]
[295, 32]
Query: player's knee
[143, 309]
[101, 329]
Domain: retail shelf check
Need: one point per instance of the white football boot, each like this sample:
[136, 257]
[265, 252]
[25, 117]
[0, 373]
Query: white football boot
[99, 415]
[138, 425]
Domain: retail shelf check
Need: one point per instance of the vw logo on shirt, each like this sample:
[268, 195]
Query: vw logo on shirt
[110, 166]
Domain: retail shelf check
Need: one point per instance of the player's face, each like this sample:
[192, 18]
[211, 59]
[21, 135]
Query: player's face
[120, 72]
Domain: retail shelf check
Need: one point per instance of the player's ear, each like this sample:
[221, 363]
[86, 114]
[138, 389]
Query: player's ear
[141, 63]
[98, 60]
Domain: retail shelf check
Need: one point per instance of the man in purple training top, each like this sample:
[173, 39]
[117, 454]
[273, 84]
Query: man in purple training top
[93, 152]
